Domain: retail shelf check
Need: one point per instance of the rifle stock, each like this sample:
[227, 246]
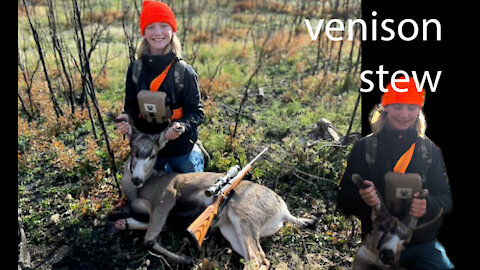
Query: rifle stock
[199, 227]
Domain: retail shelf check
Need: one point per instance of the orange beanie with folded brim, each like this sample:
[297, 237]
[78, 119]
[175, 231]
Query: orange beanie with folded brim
[153, 11]
[411, 96]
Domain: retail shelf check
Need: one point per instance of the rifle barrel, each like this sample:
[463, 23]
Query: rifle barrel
[255, 158]
[232, 183]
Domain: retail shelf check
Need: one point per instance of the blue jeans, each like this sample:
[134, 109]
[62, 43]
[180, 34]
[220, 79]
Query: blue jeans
[429, 255]
[191, 162]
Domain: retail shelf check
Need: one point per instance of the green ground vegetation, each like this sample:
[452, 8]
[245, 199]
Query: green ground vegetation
[67, 181]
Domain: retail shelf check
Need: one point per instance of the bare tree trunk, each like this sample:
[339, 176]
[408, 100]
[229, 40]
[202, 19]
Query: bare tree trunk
[343, 39]
[326, 67]
[357, 62]
[247, 86]
[352, 118]
[56, 108]
[130, 27]
[28, 82]
[350, 60]
[193, 57]
[212, 76]
[187, 19]
[88, 79]
[29, 116]
[319, 45]
[57, 47]
[80, 42]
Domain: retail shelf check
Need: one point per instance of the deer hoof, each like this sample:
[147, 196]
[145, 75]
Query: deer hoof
[120, 225]
[155, 249]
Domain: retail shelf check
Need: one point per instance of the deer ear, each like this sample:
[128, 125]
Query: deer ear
[160, 140]
[358, 181]
[424, 194]
[379, 211]
[134, 132]
[408, 220]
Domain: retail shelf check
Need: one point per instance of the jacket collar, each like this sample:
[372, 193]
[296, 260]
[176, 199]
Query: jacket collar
[157, 63]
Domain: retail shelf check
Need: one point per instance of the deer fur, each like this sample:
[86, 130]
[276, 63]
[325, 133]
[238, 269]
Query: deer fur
[253, 211]
[383, 246]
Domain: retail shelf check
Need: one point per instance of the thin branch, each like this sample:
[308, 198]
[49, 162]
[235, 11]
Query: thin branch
[245, 92]
[314, 176]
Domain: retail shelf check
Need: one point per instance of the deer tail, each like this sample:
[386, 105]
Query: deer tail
[297, 220]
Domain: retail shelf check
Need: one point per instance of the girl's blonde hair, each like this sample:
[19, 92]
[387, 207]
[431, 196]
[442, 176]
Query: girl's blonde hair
[175, 45]
[378, 119]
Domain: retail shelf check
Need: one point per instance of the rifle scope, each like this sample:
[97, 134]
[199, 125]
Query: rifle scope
[222, 181]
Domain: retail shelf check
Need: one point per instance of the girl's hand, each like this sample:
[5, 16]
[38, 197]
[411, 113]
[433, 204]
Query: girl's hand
[174, 131]
[418, 207]
[369, 195]
[123, 126]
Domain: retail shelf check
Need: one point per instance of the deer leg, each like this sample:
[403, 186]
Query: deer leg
[228, 231]
[265, 262]
[130, 224]
[241, 245]
[141, 207]
[256, 256]
[170, 255]
[158, 218]
[128, 187]
[248, 241]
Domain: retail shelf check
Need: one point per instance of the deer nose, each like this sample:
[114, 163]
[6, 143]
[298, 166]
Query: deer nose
[136, 181]
[387, 256]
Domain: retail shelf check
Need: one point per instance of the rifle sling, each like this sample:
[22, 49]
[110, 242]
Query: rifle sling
[222, 205]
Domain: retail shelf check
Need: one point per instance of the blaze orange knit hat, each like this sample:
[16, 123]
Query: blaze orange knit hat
[411, 96]
[153, 11]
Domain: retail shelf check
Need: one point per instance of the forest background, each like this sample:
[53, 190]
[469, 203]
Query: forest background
[263, 81]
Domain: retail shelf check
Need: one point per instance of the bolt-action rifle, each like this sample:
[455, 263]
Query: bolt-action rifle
[199, 227]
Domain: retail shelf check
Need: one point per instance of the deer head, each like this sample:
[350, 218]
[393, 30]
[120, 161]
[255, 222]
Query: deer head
[389, 235]
[143, 152]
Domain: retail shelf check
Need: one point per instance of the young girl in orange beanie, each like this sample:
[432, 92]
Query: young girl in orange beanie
[151, 81]
[398, 126]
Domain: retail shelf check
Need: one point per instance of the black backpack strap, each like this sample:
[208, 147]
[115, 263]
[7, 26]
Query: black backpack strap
[179, 74]
[426, 150]
[136, 70]
[371, 145]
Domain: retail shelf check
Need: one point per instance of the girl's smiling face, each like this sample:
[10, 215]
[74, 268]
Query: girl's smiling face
[158, 36]
[402, 116]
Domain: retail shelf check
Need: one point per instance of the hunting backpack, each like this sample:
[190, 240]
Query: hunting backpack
[179, 74]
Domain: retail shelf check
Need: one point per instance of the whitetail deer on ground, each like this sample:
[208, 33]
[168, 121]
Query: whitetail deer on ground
[253, 211]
